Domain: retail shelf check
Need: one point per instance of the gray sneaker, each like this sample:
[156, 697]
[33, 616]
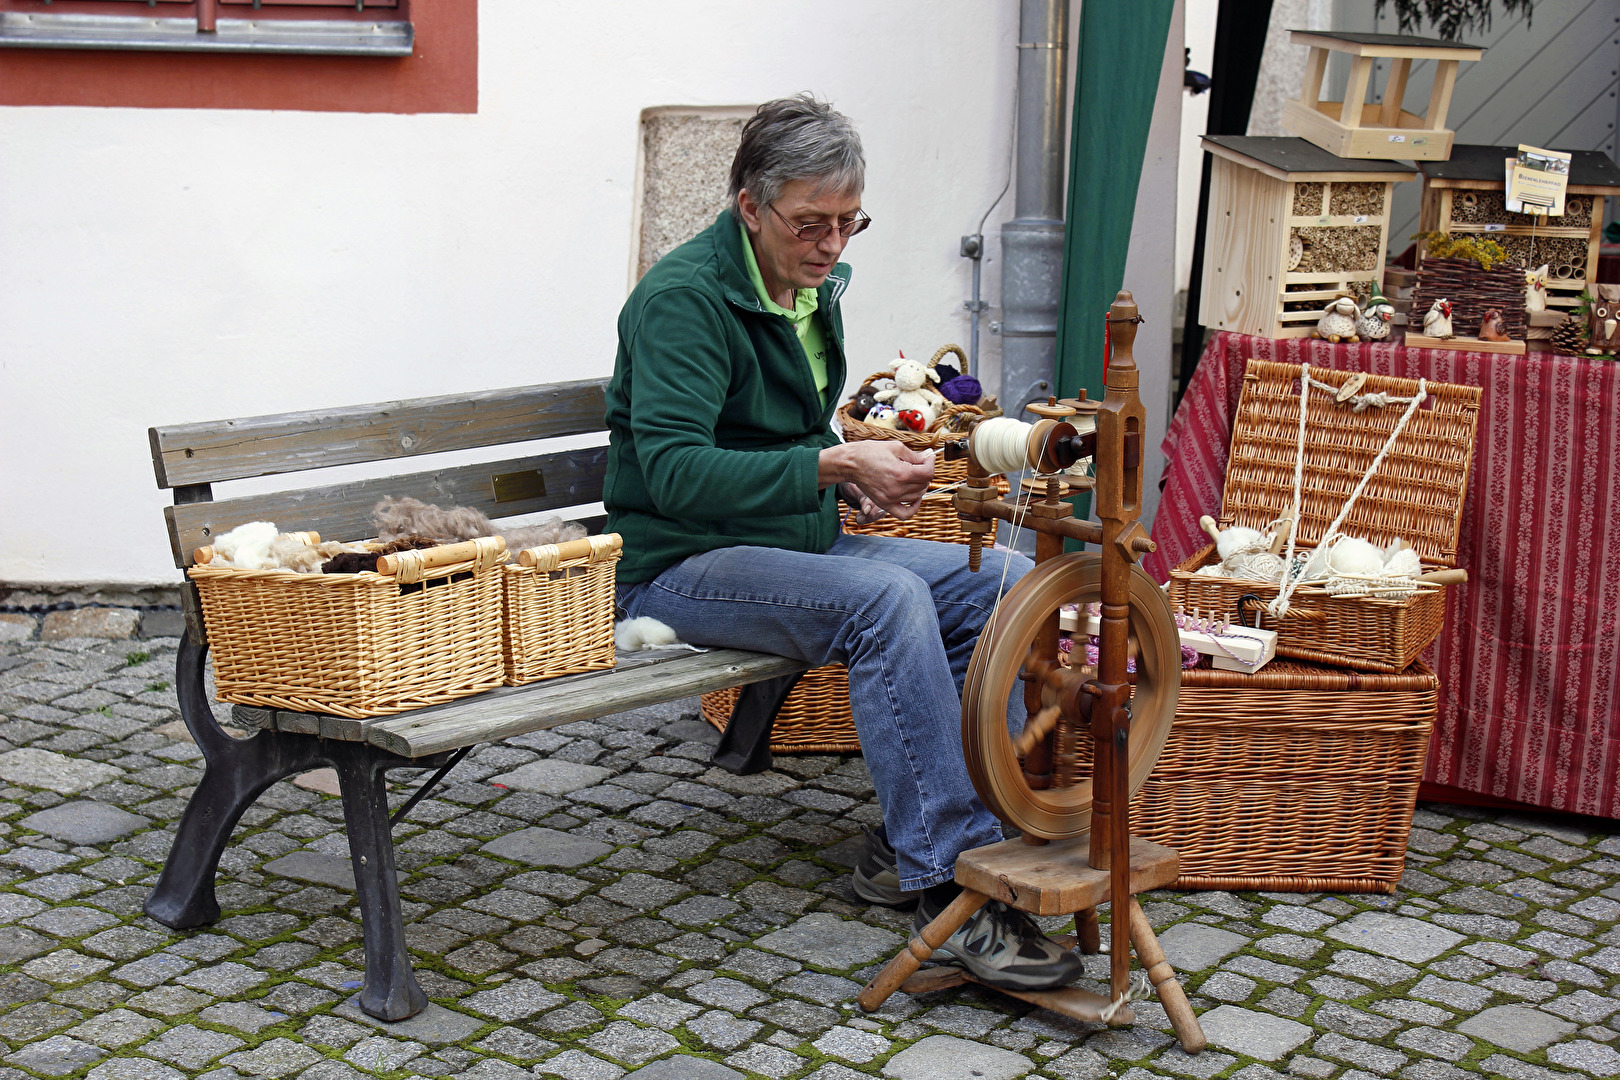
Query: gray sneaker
[877, 876]
[1002, 946]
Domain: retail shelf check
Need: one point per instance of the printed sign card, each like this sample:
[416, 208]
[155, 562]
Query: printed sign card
[1537, 180]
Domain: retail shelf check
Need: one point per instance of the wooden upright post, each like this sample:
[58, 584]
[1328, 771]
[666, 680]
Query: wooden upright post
[1118, 494]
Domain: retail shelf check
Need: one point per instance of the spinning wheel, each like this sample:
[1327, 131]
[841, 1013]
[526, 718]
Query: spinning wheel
[1091, 738]
[1006, 651]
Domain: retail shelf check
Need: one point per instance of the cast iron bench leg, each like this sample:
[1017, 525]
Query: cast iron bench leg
[391, 991]
[237, 772]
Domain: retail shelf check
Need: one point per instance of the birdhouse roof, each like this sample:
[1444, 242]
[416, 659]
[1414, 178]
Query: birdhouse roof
[1587, 168]
[1390, 45]
[1288, 157]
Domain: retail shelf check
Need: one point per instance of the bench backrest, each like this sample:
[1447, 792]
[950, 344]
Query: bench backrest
[190, 458]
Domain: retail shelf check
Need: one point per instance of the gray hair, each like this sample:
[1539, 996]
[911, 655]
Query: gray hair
[796, 138]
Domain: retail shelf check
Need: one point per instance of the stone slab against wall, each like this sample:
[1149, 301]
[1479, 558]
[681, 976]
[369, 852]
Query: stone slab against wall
[686, 165]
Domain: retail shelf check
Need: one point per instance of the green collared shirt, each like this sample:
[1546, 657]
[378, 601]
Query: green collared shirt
[808, 328]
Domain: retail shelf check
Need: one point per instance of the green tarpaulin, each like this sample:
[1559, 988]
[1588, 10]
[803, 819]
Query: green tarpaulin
[1116, 79]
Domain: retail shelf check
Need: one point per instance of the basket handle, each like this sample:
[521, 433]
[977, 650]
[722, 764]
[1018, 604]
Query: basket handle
[592, 548]
[410, 566]
[960, 355]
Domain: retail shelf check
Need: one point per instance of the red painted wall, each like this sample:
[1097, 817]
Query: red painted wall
[441, 75]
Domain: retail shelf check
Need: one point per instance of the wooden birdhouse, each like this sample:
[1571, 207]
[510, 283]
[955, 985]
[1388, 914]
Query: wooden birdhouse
[1290, 228]
[1356, 128]
[1465, 195]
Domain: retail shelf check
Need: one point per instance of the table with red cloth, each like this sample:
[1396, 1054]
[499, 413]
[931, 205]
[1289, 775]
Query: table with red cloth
[1528, 663]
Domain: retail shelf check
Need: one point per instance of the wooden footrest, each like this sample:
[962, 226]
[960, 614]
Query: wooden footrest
[1055, 878]
[1068, 1000]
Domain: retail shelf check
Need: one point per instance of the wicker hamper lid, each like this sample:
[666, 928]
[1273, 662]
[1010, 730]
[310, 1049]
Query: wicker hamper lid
[1417, 493]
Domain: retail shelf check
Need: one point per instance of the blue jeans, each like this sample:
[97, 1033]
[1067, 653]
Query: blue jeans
[904, 616]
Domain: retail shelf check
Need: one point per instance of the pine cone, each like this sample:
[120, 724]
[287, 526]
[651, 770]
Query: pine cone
[1570, 336]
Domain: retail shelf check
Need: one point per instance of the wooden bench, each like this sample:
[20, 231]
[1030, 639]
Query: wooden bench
[191, 458]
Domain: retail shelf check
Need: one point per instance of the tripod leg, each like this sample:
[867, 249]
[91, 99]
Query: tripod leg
[1163, 977]
[1087, 930]
[908, 960]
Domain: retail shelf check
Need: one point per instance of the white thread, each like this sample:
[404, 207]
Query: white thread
[1001, 444]
[1137, 986]
[1279, 604]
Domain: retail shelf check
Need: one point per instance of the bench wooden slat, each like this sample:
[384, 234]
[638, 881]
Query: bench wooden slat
[218, 450]
[517, 710]
[343, 511]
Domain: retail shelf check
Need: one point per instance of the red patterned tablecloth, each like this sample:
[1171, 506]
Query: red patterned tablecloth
[1529, 686]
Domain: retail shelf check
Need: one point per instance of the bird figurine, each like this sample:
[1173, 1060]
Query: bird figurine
[1535, 289]
[911, 418]
[1374, 322]
[1338, 321]
[1491, 327]
[1437, 322]
[1603, 322]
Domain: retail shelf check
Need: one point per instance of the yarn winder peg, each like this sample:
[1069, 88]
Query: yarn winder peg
[1076, 851]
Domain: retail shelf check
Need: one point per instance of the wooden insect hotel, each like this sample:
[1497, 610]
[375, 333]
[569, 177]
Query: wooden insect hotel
[1356, 128]
[1291, 228]
[1465, 195]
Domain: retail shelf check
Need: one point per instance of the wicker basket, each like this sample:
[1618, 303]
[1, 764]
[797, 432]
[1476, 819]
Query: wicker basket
[357, 645]
[814, 719]
[1298, 778]
[559, 609]
[1417, 495]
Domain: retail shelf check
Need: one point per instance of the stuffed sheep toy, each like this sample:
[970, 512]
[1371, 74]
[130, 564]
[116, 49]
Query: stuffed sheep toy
[911, 390]
[1338, 321]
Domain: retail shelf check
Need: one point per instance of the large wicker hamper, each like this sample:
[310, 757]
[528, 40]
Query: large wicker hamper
[1416, 495]
[1297, 778]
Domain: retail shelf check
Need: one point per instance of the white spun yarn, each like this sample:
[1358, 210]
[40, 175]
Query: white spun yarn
[1001, 444]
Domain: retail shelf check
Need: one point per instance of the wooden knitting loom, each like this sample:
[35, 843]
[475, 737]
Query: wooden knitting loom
[1035, 783]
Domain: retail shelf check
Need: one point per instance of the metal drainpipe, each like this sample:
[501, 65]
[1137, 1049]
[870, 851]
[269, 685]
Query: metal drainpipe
[1032, 242]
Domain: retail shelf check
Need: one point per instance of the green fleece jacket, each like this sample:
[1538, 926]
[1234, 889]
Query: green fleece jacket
[714, 421]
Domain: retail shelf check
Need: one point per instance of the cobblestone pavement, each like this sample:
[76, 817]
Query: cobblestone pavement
[598, 900]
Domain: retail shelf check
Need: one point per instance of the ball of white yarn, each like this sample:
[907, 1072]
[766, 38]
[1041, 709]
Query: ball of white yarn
[1237, 540]
[1354, 556]
[1404, 563]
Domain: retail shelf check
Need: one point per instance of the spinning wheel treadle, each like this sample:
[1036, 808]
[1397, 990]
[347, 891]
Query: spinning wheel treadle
[1062, 813]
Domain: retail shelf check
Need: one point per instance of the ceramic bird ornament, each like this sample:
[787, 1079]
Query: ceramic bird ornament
[1338, 321]
[1374, 322]
[1491, 327]
[1437, 321]
[1535, 289]
[1603, 321]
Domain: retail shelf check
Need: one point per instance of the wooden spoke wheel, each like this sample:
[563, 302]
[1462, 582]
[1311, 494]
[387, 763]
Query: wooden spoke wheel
[1006, 649]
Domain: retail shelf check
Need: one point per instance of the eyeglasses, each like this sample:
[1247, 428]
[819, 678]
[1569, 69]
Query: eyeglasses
[820, 230]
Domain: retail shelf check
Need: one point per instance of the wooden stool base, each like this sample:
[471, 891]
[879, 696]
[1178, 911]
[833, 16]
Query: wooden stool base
[1053, 879]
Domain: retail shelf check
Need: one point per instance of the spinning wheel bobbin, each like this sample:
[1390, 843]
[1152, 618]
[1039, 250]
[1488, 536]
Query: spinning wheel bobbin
[1076, 851]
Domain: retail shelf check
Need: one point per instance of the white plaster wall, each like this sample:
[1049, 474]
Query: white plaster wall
[162, 266]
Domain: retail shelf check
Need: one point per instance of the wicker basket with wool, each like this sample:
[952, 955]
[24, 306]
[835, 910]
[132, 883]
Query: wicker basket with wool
[559, 609]
[423, 631]
[815, 718]
[936, 519]
[1416, 495]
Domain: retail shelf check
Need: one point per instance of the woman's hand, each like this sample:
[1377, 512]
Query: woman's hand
[886, 474]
